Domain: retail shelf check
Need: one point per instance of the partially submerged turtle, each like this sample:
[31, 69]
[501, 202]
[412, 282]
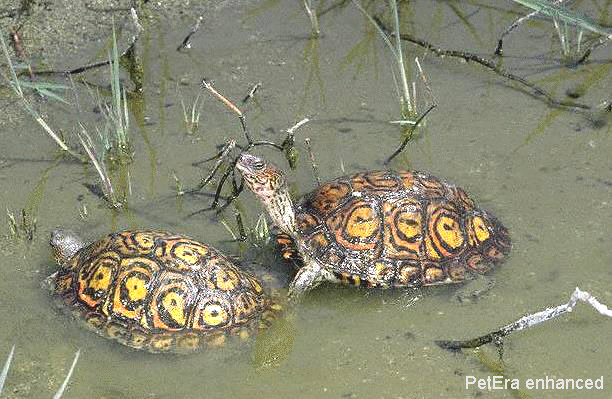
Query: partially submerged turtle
[380, 228]
[159, 291]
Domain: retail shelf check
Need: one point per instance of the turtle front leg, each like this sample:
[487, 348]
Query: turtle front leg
[307, 278]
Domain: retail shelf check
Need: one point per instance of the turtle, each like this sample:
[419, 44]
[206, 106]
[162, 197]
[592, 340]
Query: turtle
[159, 291]
[379, 228]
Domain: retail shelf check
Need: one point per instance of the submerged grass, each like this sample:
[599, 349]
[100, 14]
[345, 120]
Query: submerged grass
[17, 86]
[406, 101]
[117, 116]
[25, 228]
[191, 117]
[314, 19]
[570, 26]
[99, 165]
[117, 153]
[555, 9]
[62, 388]
[6, 367]
[408, 94]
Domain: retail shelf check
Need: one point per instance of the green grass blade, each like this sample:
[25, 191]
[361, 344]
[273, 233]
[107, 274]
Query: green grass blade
[400, 59]
[5, 370]
[565, 14]
[396, 50]
[117, 115]
[14, 81]
[16, 86]
[43, 85]
[61, 390]
[53, 95]
[380, 31]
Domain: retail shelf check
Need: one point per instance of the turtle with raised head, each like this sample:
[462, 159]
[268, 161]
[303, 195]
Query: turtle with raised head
[380, 228]
[159, 291]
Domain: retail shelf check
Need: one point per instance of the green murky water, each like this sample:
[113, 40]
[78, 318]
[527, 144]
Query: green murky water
[546, 174]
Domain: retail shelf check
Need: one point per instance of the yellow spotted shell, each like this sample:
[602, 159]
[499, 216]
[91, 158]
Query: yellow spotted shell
[162, 292]
[386, 228]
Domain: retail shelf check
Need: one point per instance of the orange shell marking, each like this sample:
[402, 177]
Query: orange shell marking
[385, 228]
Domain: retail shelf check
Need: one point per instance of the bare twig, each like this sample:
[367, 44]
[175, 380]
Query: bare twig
[225, 154]
[221, 156]
[129, 50]
[313, 162]
[208, 86]
[529, 321]
[288, 145]
[532, 89]
[186, 44]
[252, 92]
[514, 25]
[293, 128]
[409, 135]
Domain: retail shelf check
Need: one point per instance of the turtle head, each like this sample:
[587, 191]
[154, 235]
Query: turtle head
[65, 244]
[263, 178]
[268, 184]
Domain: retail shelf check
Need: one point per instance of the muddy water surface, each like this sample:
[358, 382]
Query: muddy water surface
[545, 173]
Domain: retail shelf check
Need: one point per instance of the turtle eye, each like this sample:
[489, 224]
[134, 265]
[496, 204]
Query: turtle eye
[259, 165]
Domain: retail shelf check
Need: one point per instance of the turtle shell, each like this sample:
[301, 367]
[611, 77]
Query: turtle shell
[387, 228]
[161, 292]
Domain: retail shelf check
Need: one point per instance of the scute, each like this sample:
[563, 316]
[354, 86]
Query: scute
[161, 292]
[386, 228]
